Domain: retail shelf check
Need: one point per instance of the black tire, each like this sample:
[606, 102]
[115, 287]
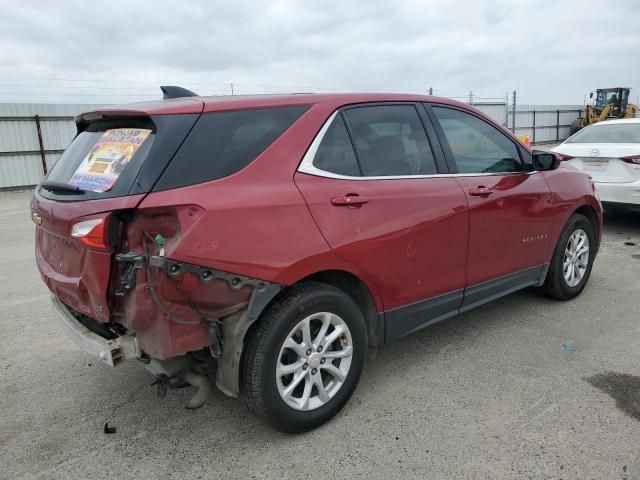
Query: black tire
[258, 389]
[575, 126]
[555, 284]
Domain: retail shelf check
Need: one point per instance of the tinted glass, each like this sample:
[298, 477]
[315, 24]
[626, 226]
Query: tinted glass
[605, 97]
[222, 143]
[477, 146]
[335, 153]
[612, 133]
[104, 159]
[390, 140]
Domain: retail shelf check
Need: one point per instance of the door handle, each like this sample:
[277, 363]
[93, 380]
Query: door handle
[480, 191]
[349, 199]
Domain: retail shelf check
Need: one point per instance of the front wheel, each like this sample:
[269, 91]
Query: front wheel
[572, 259]
[304, 360]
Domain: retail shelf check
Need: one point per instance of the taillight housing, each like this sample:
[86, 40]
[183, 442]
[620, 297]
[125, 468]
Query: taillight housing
[94, 232]
[633, 159]
[563, 157]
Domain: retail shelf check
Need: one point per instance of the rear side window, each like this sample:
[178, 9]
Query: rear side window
[223, 143]
[477, 146]
[335, 153]
[390, 141]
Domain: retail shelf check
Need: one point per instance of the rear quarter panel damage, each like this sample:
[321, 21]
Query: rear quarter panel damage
[254, 223]
[167, 312]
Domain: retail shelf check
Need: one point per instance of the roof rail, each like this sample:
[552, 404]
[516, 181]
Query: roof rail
[171, 91]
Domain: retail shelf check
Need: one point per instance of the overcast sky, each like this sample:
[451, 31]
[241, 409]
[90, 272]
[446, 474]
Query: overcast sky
[550, 51]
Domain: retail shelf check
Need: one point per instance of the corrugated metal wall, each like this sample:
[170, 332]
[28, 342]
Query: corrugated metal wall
[21, 157]
[551, 121]
[20, 153]
[496, 110]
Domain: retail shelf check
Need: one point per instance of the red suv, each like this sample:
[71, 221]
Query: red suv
[266, 242]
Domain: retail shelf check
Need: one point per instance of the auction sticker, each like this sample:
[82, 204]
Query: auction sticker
[102, 166]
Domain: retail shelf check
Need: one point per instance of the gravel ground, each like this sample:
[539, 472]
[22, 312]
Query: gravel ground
[492, 394]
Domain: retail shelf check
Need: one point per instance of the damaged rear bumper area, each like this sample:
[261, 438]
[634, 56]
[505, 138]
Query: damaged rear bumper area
[112, 351]
[183, 322]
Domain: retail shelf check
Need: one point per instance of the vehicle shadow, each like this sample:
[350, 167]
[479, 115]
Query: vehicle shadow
[621, 221]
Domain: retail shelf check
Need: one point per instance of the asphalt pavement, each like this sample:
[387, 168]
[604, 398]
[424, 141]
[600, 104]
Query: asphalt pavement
[525, 387]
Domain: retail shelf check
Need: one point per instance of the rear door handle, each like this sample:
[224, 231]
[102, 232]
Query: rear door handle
[480, 191]
[349, 199]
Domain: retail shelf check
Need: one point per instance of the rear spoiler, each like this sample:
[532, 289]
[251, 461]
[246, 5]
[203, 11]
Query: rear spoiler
[146, 108]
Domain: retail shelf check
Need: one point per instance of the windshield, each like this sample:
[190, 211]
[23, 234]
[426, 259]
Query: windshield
[612, 133]
[605, 97]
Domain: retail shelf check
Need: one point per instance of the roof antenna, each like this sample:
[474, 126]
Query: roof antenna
[170, 91]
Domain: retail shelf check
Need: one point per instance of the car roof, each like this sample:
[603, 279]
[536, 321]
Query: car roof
[330, 99]
[615, 121]
[240, 102]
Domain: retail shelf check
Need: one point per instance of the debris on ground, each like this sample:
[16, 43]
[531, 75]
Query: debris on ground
[109, 430]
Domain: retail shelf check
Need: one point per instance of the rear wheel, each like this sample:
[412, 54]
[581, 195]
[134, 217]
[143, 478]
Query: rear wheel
[304, 360]
[572, 259]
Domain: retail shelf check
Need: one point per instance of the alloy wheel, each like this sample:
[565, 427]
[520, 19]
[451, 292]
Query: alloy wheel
[576, 258]
[314, 361]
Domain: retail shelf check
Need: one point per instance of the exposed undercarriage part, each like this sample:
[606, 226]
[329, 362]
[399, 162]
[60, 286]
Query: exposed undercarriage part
[189, 320]
[226, 334]
[179, 373]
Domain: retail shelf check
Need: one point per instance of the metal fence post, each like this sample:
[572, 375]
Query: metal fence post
[506, 110]
[557, 125]
[513, 114]
[534, 127]
[41, 143]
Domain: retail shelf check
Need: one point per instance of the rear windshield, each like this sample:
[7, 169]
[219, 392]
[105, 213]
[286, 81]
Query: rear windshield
[105, 156]
[612, 133]
[223, 143]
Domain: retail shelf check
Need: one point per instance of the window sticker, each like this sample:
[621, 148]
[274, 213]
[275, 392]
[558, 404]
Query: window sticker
[105, 162]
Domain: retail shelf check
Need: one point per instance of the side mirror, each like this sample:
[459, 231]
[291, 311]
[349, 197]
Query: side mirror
[543, 161]
[591, 95]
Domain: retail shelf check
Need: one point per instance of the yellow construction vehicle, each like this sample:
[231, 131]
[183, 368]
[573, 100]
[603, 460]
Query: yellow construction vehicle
[609, 103]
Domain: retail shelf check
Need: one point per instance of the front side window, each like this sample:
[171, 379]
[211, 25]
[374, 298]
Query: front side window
[390, 141]
[477, 146]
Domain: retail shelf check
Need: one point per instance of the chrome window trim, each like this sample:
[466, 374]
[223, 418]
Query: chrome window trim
[307, 166]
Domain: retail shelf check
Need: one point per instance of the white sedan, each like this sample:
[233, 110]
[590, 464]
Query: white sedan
[609, 151]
